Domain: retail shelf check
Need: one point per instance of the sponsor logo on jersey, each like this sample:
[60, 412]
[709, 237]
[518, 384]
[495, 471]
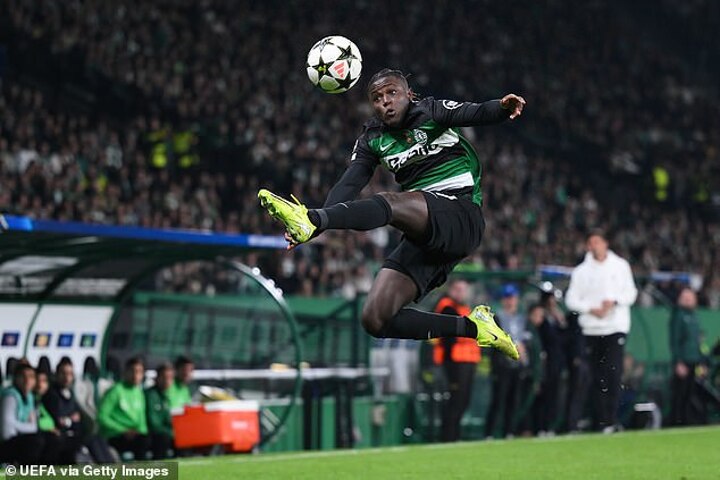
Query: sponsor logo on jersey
[449, 197]
[386, 147]
[420, 151]
[451, 104]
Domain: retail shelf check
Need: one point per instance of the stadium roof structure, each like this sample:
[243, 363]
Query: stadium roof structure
[40, 259]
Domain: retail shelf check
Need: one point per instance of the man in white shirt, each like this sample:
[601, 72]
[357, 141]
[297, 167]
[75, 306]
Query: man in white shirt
[601, 290]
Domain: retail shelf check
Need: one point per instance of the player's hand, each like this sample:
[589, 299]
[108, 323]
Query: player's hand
[681, 370]
[522, 351]
[608, 305]
[514, 103]
[291, 243]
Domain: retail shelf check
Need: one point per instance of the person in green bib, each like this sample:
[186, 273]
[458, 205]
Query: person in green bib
[158, 413]
[21, 441]
[179, 392]
[122, 413]
[45, 420]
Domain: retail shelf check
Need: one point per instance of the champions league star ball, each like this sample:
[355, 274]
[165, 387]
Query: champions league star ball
[334, 64]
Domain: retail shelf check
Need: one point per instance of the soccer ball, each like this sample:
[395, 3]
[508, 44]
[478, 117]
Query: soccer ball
[334, 64]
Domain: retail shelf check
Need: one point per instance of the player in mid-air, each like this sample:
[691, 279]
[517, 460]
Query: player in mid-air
[438, 209]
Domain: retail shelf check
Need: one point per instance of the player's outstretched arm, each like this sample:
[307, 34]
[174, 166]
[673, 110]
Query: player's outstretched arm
[350, 185]
[358, 174]
[469, 114]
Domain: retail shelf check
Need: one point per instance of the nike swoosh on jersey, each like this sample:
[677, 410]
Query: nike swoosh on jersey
[386, 147]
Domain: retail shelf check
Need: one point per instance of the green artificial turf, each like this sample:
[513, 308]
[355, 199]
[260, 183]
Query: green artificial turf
[690, 454]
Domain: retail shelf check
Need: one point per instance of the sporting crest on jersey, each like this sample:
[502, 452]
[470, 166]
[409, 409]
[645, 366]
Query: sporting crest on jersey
[451, 104]
[420, 136]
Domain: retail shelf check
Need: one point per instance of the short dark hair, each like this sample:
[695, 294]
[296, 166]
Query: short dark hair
[596, 232]
[63, 362]
[20, 370]
[163, 367]
[182, 360]
[387, 72]
[534, 306]
[132, 361]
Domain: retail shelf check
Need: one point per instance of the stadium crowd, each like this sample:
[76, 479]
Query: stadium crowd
[51, 417]
[173, 114]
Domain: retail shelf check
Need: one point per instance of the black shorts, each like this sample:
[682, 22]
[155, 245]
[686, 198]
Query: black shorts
[455, 230]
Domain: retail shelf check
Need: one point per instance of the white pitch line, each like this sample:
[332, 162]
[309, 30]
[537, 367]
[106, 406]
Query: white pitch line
[480, 443]
[299, 456]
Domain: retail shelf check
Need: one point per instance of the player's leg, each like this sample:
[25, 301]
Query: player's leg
[406, 211]
[385, 314]
[613, 362]
[440, 230]
[457, 227]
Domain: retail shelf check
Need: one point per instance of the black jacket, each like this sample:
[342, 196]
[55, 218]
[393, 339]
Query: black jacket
[61, 403]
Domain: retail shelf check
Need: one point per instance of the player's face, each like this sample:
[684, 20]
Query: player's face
[65, 376]
[687, 299]
[598, 246]
[27, 381]
[390, 98]
[185, 373]
[135, 374]
[42, 384]
[166, 379]
[536, 316]
[510, 303]
[460, 291]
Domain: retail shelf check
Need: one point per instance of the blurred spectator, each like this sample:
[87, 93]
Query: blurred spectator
[531, 418]
[633, 374]
[459, 358]
[22, 442]
[158, 407]
[686, 360]
[601, 290]
[45, 420]
[505, 373]
[122, 413]
[125, 147]
[548, 334]
[65, 411]
[178, 392]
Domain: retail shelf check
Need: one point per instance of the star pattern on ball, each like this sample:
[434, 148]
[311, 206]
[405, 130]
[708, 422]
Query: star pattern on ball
[346, 53]
[333, 57]
[322, 67]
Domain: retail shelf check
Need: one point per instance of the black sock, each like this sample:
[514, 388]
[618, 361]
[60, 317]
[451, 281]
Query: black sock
[365, 214]
[418, 325]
